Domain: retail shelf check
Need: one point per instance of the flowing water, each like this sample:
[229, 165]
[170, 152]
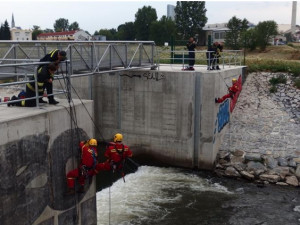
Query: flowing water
[172, 196]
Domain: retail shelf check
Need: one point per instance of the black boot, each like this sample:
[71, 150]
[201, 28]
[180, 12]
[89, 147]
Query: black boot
[13, 103]
[52, 101]
[42, 101]
[218, 68]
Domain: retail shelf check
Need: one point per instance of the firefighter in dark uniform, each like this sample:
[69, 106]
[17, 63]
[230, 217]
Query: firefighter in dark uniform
[55, 56]
[89, 154]
[44, 75]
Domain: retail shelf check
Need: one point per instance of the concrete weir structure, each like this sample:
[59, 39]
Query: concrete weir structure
[38, 146]
[167, 116]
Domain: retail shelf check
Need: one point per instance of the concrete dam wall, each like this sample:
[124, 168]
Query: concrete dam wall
[37, 149]
[167, 116]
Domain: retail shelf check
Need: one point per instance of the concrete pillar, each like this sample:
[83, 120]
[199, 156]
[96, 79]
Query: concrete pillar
[294, 13]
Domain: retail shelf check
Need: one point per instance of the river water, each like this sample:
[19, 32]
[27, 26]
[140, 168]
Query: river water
[173, 196]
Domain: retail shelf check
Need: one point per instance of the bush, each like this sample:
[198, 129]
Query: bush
[297, 83]
[273, 89]
[295, 71]
[281, 79]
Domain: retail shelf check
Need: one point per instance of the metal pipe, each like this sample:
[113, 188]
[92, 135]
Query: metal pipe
[71, 42]
[36, 87]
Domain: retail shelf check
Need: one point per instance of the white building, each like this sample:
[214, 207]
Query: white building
[17, 34]
[74, 35]
[171, 12]
[216, 32]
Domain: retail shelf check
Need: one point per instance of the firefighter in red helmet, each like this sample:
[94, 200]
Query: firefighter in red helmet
[116, 153]
[232, 91]
[87, 165]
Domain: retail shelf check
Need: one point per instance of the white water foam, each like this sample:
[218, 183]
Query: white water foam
[143, 192]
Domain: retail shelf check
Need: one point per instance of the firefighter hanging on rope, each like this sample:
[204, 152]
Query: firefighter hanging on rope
[232, 91]
[116, 152]
[86, 168]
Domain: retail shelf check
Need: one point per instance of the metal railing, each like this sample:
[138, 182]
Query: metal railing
[91, 56]
[26, 80]
[18, 59]
[202, 58]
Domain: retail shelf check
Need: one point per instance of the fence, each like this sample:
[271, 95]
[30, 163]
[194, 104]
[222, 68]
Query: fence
[202, 58]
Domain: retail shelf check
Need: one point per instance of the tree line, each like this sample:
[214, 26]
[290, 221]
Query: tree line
[146, 25]
[189, 21]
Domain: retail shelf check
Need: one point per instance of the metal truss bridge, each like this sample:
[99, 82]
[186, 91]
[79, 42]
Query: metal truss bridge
[85, 57]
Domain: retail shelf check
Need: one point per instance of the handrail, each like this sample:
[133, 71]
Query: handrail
[202, 55]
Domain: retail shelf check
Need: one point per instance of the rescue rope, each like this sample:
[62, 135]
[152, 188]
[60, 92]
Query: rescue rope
[73, 119]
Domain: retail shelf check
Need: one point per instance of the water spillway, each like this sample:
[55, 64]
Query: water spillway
[167, 116]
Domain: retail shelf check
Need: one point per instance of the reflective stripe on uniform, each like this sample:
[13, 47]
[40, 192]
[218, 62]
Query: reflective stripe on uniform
[40, 85]
[52, 52]
[23, 103]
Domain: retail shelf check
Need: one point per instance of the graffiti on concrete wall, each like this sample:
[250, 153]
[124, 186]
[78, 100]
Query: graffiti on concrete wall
[236, 96]
[150, 75]
[34, 177]
[223, 115]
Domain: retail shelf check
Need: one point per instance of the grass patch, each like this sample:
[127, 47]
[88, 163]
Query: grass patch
[269, 65]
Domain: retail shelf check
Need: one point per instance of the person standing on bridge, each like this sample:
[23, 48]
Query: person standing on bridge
[55, 56]
[232, 91]
[191, 45]
[89, 154]
[116, 152]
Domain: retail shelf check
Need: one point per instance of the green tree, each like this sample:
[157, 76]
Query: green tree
[249, 39]
[5, 31]
[74, 26]
[236, 28]
[110, 34]
[47, 30]
[143, 19]
[264, 31]
[36, 30]
[61, 25]
[190, 18]
[126, 31]
[162, 30]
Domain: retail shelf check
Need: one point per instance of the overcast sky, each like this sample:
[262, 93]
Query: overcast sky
[95, 14]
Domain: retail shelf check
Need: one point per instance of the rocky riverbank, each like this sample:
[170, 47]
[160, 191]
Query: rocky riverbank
[262, 142]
